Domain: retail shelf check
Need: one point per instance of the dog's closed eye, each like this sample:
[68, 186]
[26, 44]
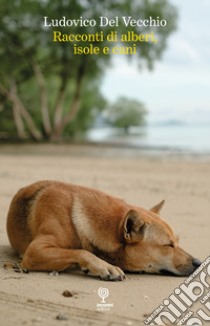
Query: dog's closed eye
[171, 244]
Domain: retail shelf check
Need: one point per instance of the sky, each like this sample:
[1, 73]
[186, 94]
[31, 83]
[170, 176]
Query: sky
[179, 86]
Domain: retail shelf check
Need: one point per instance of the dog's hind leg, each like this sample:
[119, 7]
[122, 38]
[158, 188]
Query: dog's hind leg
[42, 255]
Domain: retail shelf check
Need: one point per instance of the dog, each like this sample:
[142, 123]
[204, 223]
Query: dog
[55, 226]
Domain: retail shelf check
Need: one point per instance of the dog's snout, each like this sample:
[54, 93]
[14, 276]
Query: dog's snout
[196, 262]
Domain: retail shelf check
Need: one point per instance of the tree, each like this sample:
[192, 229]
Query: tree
[126, 113]
[42, 83]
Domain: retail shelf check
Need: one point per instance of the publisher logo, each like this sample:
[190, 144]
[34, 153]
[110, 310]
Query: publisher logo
[103, 293]
[190, 302]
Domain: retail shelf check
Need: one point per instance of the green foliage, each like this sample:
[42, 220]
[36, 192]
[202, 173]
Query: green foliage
[47, 92]
[126, 113]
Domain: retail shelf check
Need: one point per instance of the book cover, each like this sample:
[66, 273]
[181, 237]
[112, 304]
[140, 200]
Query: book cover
[111, 95]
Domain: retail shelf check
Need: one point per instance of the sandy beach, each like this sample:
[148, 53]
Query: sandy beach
[144, 180]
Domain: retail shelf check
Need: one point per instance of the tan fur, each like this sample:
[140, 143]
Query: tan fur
[55, 226]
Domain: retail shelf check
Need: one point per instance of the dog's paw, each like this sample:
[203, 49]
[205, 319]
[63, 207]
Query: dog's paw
[105, 271]
[112, 273]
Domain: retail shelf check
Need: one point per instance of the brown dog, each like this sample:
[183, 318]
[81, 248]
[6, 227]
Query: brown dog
[55, 226]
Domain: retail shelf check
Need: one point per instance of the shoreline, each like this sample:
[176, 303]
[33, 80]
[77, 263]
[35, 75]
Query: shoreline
[110, 149]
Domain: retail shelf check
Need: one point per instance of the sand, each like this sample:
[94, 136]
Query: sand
[139, 178]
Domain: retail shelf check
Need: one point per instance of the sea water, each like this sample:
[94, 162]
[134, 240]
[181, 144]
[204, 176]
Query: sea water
[190, 138]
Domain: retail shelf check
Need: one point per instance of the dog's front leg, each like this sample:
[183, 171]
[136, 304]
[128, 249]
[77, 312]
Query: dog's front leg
[40, 257]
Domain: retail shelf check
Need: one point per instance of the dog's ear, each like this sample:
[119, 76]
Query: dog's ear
[157, 208]
[133, 228]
